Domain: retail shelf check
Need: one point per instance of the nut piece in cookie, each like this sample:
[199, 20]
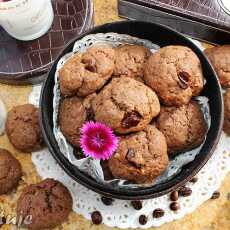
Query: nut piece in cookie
[73, 114]
[227, 112]
[10, 172]
[84, 74]
[220, 59]
[48, 203]
[175, 73]
[184, 127]
[141, 157]
[126, 105]
[130, 60]
[23, 129]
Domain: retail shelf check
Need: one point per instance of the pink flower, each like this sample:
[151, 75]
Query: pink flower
[98, 140]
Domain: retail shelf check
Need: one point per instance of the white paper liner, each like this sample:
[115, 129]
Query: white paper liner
[93, 167]
[3, 115]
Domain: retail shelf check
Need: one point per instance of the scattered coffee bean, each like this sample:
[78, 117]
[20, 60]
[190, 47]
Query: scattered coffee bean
[174, 206]
[96, 218]
[143, 219]
[215, 195]
[158, 213]
[194, 180]
[137, 204]
[106, 200]
[174, 196]
[185, 191]
[228, 196]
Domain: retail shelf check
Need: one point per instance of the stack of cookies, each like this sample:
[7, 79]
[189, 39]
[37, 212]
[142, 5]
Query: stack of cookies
[147, 99]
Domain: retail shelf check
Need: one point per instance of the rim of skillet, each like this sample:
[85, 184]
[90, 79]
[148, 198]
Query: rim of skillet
[188, 171]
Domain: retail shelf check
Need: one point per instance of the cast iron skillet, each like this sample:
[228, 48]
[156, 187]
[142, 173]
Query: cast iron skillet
[162, 36]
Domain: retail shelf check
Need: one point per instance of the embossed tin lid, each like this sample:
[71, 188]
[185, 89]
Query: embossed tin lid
[27, 62]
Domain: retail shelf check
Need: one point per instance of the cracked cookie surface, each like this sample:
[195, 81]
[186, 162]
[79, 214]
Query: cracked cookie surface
[130, 60]
[23, 129]
[184, 127]
[84, 74]
[175, 73]
[126, 105]
[141, 157]
[220, 59]
[227, 112]
[48, 202]
[73, 113]
[10, 171]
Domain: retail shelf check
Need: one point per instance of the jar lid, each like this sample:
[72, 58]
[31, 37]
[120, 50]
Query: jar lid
[23, 62]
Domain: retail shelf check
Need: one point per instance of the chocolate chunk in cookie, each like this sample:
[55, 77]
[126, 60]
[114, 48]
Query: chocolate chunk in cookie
[126, 105]
[10, 171]
[175, 73]
[48, 203]
[141, 157]
[220, 59]
[84, 74]
[23, 129]
[130, 60]
[184, 127]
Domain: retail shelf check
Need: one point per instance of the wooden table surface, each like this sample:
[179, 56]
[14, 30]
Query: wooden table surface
[212, 215]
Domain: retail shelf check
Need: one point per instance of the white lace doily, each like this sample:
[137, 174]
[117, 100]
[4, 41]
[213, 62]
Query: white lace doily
[121, 214]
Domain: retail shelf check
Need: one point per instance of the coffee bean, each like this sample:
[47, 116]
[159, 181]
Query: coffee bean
[143, 219]
[215, 195]
[185, 191]
[96, 218]
[137, 204]
[174, 206]
[194, 180]
[174, 196]
[158, 213]
[228, 196]
[106, 200]
[131, 119]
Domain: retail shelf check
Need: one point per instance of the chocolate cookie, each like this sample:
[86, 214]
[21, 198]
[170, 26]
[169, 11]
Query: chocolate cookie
[84, 74]
[140, 157]
[126, 105]
[130, 60]
[227, 112]
[175, 73]
[23, 129]
[74, 112]
[48, 202]
[184, 127]
[10, 172]
[220, 59]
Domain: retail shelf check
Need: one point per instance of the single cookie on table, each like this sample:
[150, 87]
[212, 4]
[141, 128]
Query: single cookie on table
[130, 60]
[48, 203]
[126, 105]
[175, 73]
[23, 129]
[227, 112]
[220, 59]
[10, 172]
[84, 74]
[74, 112]
[184, 127]
[141, 157]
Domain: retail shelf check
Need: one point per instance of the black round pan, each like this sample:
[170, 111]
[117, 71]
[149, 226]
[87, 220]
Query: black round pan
[162, 36]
